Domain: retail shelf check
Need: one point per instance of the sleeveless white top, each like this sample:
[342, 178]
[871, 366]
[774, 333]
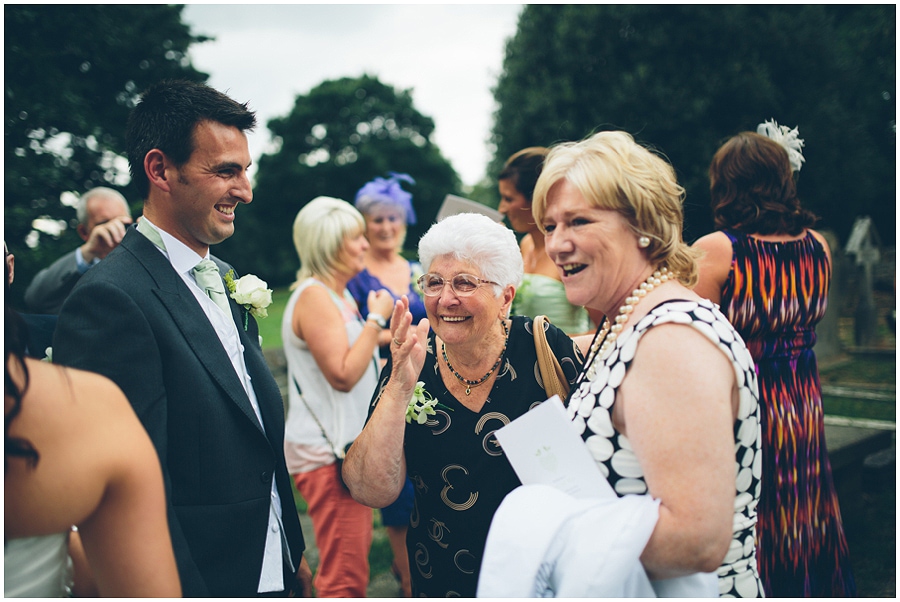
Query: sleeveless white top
[341, 415]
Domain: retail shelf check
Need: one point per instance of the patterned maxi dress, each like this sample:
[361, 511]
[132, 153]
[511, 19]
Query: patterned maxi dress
[774, 295]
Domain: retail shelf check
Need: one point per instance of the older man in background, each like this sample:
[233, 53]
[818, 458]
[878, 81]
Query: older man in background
[103, 217]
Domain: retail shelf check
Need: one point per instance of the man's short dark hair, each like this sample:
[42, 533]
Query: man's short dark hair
[165, 119]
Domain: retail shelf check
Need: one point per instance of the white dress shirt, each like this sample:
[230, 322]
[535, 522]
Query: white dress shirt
[183, 259]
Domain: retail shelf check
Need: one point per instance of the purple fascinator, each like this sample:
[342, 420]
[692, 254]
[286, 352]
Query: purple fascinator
[388, 192]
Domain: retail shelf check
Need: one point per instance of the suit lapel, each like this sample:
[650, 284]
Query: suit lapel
[190, 319]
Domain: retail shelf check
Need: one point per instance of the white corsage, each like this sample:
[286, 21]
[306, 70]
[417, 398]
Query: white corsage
[251, 293]
[422, 405]
[788, 138]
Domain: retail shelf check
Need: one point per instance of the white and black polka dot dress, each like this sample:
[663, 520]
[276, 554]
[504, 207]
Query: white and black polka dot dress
[590, 408]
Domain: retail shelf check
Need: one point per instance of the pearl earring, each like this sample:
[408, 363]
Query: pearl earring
[643, 242]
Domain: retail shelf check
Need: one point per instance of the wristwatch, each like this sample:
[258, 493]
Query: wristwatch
[378, 319]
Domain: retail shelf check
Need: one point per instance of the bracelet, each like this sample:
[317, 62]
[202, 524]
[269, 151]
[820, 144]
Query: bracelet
[373, 325]
[378, 319]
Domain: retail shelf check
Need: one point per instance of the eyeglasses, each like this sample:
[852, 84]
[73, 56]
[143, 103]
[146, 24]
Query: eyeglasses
[462, 284]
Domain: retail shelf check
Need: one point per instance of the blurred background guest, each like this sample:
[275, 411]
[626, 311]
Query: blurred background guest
[332, 360]
[387, 209]
[541, 292]
[770, 273]
[37, 328]
[75, 454]
[103, 216]
[477, 371]
[667, 404]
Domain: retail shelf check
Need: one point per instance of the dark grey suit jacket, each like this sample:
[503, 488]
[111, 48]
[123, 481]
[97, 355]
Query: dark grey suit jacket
[133, 319]
[49, 288]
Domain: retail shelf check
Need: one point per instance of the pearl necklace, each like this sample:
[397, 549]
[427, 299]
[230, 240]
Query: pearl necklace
[606, 338]
[474, 383]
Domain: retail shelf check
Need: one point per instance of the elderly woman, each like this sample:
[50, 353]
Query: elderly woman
[771, 272]
[332, 359]
[475, 373]
[667, 403]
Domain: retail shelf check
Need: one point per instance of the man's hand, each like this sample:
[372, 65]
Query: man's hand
[104, 238]
[304, 580]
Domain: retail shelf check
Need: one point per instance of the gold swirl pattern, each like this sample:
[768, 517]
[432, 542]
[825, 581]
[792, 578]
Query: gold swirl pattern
[436, 422]
[465, 555]
[422, 561]
[473, 497]
[436, 532]
[414, 515]
[489, 443]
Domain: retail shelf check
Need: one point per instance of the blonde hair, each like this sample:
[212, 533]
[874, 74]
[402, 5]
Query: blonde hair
[320, 230]
[612, 171]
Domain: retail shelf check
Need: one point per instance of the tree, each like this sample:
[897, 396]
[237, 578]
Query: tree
[73, 72]
[685, 78]
[338, 137]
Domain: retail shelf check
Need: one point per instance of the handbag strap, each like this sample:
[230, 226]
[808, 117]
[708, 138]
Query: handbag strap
[337, 454]
[555, 382]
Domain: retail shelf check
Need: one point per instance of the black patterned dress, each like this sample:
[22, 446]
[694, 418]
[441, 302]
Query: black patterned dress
[775, 295]
[459, 472]
[591, 406]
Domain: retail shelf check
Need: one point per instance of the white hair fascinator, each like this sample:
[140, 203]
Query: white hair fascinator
[788, 138]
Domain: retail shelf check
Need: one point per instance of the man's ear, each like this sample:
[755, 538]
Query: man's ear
[156, 165]
[83, 232]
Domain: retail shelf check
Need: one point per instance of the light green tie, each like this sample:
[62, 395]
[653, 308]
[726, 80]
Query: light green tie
[152, 235]
[206, 273]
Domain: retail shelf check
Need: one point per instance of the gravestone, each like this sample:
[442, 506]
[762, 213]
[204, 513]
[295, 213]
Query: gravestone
[828, 341]
[863, 245]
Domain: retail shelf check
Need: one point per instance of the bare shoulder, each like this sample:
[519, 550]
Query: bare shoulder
[714, 265]
[84, 431]
[715, 243]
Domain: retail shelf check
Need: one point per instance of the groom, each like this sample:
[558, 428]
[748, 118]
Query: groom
[189, 360]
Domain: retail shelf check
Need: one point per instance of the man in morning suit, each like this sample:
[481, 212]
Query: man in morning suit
[189, 360]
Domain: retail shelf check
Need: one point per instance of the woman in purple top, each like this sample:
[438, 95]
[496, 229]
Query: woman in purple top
[388, 209]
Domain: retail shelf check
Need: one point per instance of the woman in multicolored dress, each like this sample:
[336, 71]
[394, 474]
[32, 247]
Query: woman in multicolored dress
[667, 403]
[770, 273]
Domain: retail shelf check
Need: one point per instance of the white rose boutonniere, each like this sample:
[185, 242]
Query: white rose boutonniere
[250, 292]
[422, 405]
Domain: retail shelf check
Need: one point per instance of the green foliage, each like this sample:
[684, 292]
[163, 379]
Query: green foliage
[338, 137]
[685, 78]
[270, 326]
[72, 74]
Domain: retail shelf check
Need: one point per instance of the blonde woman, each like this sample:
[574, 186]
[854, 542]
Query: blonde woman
[332, 358]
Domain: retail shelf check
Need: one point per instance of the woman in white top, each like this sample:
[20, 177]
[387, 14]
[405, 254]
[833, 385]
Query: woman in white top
[332, 358]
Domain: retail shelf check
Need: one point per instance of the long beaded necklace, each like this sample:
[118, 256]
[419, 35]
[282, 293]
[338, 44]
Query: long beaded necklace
[474, 383]
[608, 335]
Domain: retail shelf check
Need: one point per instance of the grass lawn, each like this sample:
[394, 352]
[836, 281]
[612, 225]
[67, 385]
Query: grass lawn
[270, 327]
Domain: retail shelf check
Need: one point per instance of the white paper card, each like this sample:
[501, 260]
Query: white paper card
[543, 448]
[456, 204]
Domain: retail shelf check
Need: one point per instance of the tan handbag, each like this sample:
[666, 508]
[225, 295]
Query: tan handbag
[555, 382]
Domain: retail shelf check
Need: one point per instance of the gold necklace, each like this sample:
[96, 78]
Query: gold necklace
[474, 383]
[608, 335]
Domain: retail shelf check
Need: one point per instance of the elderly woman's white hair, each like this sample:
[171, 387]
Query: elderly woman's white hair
[476, 239]
[320, 229]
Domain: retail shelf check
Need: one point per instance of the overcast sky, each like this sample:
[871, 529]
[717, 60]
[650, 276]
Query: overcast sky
[449, 55]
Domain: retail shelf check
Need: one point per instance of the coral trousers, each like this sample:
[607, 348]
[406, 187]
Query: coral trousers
[343, 532]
